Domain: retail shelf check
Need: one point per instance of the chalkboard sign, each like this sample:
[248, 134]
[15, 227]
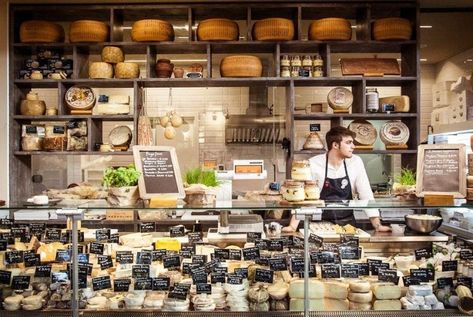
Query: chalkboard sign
[199, 259]
[234, 254]
[121, 285]
[43, 271]
[330, 270]
[467, 281]
[234, 279]
[160, 173]
[278, 264]
[20, 282]
[3, 244]
[421, 274]
[250, 253]
[444, 282]
[409, 280]
[5, 277]
[449, 265]
[217, 277]
[297, 264]
[466, 254]
[253, 236]
[148, 227]
[388, 275]
[161, 283]
[265, 276]
[350, 271]
[178, 292]
[102, 282]
[204, 288]
[441, 161]
[242, 271]
[143, 284]
[423, 253]
[124, 257]
[140, 271]
[144, 257]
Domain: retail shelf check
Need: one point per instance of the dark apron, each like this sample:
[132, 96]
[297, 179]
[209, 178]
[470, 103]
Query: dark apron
[337, 189]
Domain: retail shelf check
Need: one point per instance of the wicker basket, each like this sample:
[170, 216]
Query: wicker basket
[112, 55]
[337, 29]
[127, 70]
[88, 31]
[273, 29]
[149, 30]
[241, 66]
[38, 31]
[100, 70]
[392, 29]
[217, 30]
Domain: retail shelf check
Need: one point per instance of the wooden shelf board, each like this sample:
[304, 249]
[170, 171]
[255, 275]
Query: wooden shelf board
[316, 152]
[328, 116]
[70, 117]
[71, 153]
[213, 82]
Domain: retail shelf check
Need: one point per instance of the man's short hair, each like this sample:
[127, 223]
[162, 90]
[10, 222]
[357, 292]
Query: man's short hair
[336, 134]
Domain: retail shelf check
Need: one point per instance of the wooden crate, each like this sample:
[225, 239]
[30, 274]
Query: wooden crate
[120, 215]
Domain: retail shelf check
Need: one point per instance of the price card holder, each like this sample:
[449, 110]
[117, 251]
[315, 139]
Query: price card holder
[161, 283]
[121, 285]
[423, 253]
[20, 282]
[265, 276]
[251, 253]
[204, 288]
[388, 275]
[102, 282]
[5, 277]
[330, 270]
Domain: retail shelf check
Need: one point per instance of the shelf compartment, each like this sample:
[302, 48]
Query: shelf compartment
[213, 82]
[358, 152]
[71, 117]
[29, 153]
[368, 116]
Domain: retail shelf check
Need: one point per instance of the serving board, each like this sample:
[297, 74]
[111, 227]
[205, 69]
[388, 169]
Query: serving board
[370, 66]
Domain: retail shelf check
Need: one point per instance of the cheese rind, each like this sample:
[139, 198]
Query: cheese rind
[387, 304]
[336, 290]
[359, 286]
[361, 297]
[359, 306]
[316, 289]
[384, 291]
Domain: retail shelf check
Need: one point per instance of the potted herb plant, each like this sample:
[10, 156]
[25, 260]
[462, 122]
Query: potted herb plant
[200, 186]
[404, 185]
[122, 184]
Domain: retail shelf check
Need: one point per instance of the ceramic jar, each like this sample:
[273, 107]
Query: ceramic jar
[164, 68]
[178, 72]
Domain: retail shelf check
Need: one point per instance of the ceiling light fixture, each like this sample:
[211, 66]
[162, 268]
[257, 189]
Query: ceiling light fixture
[426, 26]
[423, 59]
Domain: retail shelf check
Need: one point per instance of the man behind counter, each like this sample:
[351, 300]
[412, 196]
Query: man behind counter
[339, 173]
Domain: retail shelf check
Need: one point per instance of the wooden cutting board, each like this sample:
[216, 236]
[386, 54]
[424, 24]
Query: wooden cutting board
[370, 66]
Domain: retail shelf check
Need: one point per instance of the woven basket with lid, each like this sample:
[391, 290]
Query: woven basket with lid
[149, 30]
[331, 29]
[38, 31]
[241, 66]
[392, 29]
[273, 29]
[217, 30]
[88, 31]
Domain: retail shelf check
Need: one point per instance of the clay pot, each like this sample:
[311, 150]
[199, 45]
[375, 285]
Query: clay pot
[178, 72]
[164, 68]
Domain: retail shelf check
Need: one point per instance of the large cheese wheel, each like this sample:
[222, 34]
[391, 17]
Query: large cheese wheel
[394, 133]
[340, 98]
[359, 286]
[336, 290]
[359, 306]
[365, 132]
[361, 297]
[316, 289]
[386, 291]
[390, 304]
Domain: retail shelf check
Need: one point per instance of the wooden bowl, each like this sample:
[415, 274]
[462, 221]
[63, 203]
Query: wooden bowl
[39, 31]
[218, 30]
[241, 66]
[150, 30]
[330, 29]
[391, 29]
[273, 29]
[88, 31]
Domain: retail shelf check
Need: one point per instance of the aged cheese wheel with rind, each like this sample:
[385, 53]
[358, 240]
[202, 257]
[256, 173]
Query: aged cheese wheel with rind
[366, 133]
[394, 133]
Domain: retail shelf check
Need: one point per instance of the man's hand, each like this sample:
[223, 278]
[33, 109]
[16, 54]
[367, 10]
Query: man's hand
[382, 228]
[288, 229]
[376, 222]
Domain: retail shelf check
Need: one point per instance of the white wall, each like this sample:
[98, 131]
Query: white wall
[4, 99]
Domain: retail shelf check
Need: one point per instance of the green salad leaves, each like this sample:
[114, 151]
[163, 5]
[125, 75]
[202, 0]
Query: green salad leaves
[121, 176]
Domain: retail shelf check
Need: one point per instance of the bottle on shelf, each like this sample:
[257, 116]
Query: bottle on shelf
[372, 100]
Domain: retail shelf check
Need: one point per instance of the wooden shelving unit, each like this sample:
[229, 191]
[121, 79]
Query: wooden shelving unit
[362, 14]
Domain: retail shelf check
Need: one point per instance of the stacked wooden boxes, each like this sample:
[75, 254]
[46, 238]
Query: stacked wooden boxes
[441, 97]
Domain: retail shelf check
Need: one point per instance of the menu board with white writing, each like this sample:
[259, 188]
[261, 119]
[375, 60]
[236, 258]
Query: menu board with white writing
[441, 169]
[159, 170]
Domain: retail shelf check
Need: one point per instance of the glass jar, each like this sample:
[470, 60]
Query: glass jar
[301, 171]
[312, 191]
[372, 100]
[318, 72]
[285, 61]
[293, 191]
[307, 60]
[285, 71]
[295, 71]
[317, 61]
[296, 61]
[305, 71]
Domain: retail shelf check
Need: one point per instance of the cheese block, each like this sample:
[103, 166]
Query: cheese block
[361, 297]
[112, 108]
[389, 304]
[336, 290]
[359, 306]
[386, 291]
[136, 240]
[297, 304]
[47, 252]
[360, 286]
[431, 300]
[401, 103]
[169, 244]
[316, 289]
[416, 300]
[336, 304]
[119, 99]
[420, 290]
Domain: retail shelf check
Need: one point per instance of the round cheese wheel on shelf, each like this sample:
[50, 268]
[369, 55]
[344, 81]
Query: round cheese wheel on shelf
[340, 98]
[359, 306]
[361, 297]
[394, 133]
[359, 286]
[366, 133]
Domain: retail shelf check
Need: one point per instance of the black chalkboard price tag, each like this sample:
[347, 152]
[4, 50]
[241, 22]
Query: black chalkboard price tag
[3, 244]
[297, 243]
[324, 257]
[466, 254]
[31, 259]
[161, 283]
[143, 284]
[102, 234]
[194, 237]
[250, 253]
[409, 280]
[388, 275]
[6, 223]
[102, 282]
[261, 244]
[178, 292]
[222, 254]
[312, 272]
[114, 238]
[277, 264]
[375, 267]
[177, 231]
[96, 248]
[140, 271]
[121, 285]
[170, 261]
[217, 277]
[148, 227]
[314, 127]
[349, 240]
[83, 257]
[204, 288]
[423, 253]
[467, 281]
[350, 253]
[275, 245]
[199, 277]
[350, 271]
[63, 256]
[42, 271]
[144, 257]
[18, 231]
[253, 236]
[421, 274]
[13, 257]
[234, 279]
[158, 255]
[20, 282]
[330, 270]
[52, 235]
[444, 282]
[297, 264]
[265, 276]
[263, 260]
[199, 259]
[448, 266]
[234, 254]
[124, 257]
[364, 268]
[209, 266]
[59, 277]
[5, 277]
[316, 240]
[37, 229]
[105, 261]
[242, 271]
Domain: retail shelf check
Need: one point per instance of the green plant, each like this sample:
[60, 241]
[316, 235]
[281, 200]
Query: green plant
[121, 176]
[406, 177]
[199, 176]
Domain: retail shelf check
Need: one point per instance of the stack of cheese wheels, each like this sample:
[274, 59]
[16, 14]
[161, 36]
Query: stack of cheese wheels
[387, 296]
[336, 294]
[360, 295]
[316, 295]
